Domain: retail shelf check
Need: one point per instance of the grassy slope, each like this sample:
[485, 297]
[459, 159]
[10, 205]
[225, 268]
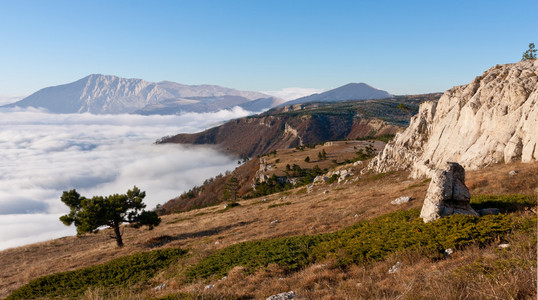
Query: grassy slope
[210, 229]
[211, 192]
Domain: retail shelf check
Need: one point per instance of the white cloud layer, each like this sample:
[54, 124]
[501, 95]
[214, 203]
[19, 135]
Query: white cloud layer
[43, 154]
[293, 93]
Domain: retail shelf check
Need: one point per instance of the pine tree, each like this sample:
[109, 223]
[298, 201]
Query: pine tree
[230, 190]
[89, 215]
[530, 53]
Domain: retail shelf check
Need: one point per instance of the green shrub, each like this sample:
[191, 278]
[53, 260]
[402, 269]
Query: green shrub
[366, 241]
[333, 178]
[404, 230]
[506, 203]
[291, 253]
[125, 271]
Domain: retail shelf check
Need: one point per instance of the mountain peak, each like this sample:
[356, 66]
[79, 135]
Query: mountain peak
[110, 94]
[350, 91]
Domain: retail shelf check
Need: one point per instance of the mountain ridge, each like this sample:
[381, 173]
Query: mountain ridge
[307, 124]
[110, 94]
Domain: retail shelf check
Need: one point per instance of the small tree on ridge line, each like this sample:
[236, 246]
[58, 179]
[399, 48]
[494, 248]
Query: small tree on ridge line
[89, 215]
[530, 53]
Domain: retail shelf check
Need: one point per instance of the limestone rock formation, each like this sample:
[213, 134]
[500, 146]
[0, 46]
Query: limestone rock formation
[283, 296]
[261, 174]
[493, 119]
[447, 194]
[401, 200]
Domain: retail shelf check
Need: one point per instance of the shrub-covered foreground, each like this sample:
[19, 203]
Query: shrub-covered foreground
[369, 240]
[125, 271]
[366, 241]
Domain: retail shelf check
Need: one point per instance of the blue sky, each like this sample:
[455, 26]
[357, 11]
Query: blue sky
[404, 47]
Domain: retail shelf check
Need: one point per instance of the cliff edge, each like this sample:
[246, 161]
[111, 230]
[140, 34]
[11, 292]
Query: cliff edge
[493, 119]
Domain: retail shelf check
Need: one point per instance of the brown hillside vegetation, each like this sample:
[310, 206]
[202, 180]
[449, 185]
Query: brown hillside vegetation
[308, 124]
[211, 192]
[481, 273]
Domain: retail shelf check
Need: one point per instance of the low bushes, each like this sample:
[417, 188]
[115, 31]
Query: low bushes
[374, 240]
[125, 271]
[366, 241]
[506, 203]
[291, 253]
[369, 240]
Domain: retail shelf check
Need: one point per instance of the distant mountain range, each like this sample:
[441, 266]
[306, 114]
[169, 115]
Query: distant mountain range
[107, 94]
[351, 91]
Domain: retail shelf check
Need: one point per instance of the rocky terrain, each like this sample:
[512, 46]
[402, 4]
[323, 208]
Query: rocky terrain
[308, 124]
[494, 119]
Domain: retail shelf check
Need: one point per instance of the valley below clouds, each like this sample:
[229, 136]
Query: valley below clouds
[43, 154]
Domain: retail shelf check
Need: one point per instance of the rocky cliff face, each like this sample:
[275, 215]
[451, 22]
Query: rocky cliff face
[493, 119]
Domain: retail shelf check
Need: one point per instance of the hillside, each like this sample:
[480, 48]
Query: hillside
[287, 165]
[308, 124]
[493, 119]
[317, 212]
[329, 207]
[107, 94]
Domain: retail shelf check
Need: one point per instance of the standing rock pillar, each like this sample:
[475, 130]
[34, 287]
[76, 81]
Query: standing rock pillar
[447, 194]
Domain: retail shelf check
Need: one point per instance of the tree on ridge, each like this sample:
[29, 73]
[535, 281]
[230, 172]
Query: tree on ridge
[530, 53]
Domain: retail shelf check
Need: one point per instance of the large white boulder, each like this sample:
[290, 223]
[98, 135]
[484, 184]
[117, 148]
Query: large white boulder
[447, 194]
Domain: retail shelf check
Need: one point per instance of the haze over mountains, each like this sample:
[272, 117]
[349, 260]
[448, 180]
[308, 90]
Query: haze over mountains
[107, 94]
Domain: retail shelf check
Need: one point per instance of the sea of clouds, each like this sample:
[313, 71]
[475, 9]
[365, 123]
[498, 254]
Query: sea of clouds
[43, 154]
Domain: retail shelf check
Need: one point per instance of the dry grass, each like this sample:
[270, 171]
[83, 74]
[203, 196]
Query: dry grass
[337, 150]
[496, 180]
[472, 273]
[210, 228]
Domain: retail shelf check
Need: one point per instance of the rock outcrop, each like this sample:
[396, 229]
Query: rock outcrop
[261, 174]
[447, 194]
[283, 296]
[401, 200]
[493, 119]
